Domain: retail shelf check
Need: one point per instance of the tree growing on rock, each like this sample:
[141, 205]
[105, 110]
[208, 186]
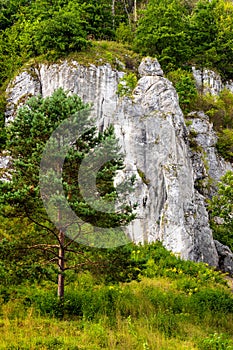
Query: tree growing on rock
[221, 211]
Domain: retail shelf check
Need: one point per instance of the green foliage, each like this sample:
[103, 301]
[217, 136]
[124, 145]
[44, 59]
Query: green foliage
[223, 44]
[98, 17]
[116, 265]
[183, 33]
[180, 33]
[200, 291]
[202, 41]
[20, 196]
[9, 10]
[52, 29]
[19, 264]
[161, 32]
[116, 54]
[63, 33]
[127, 85]
[218, 108]
[225, 144]
[221, 206]
[155, 261]
[124, 34]
[216, 342]
[177, 300]
[185, 86]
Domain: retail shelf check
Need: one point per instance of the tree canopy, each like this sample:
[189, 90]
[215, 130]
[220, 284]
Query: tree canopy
[179, 33]
[22, 196]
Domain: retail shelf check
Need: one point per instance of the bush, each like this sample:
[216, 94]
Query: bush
[216, 342]
[221, 208]
[127, 85]
[225, 144]
[185, 86]
[124, 34]
[218, 301]
[63, 33]
[218, 108]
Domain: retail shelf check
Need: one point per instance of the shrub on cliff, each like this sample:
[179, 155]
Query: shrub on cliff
[221, 211]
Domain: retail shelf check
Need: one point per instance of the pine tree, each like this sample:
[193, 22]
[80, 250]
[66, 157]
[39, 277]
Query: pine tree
[44, 178]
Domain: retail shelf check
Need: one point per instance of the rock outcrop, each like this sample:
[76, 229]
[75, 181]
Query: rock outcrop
[208, 81]
[208, 168]
[225, 263]
[208, 165]
[153, 135]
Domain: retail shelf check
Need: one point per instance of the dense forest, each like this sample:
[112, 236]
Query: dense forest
[56, 293]
[184, 32]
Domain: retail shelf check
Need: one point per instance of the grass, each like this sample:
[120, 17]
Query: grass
[155, 313]
[42, 333]
[98, 53]
[175, 305]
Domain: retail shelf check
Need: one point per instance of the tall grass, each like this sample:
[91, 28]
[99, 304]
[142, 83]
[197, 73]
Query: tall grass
[175, 305]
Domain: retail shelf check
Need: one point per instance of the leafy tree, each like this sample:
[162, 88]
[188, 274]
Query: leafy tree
[185, 87]
[64, 33]
[203, 32]
[182, 33]
[210, 32]
[224, 42]
[161, 32]
[221, 211]
[26, 140]
[9, 10]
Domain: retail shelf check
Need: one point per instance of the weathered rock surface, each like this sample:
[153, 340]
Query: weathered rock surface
[97, 85]
[225, 258]
[208, 165]
[4, 163]
[150, 67]
[154, 138]
[209, 81]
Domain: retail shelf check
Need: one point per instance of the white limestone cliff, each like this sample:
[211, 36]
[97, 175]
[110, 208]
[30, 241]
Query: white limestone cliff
[151, 130]
[209, 81]
[207, 163]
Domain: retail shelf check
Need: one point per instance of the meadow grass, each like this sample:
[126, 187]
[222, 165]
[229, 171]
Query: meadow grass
[151, 314]
[174, 304]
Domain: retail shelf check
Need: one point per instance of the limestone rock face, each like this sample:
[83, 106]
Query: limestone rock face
[4, 163]
[93, 84]
[209, 81]
[150, 67]
[225, 258]
[152, 133]
[208, 165]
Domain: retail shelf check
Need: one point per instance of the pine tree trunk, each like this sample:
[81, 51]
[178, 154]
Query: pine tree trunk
[135, 11]
[61, 267]
[113, 14]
